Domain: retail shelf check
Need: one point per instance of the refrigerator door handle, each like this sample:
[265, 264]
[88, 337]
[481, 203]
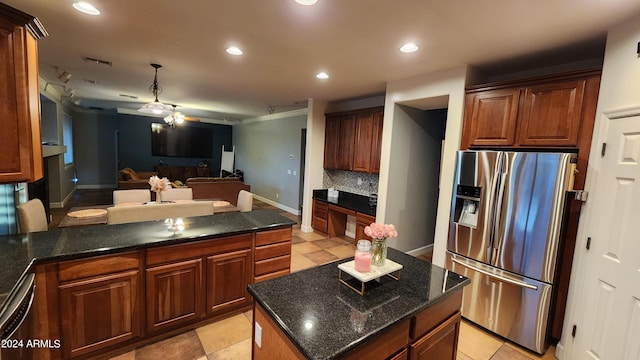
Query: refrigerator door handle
[497, 277]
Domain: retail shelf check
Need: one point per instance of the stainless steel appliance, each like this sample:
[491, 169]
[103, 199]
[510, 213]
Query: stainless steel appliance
[505, 228]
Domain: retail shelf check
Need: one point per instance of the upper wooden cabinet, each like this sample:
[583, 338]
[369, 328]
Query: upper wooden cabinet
[21, 155]
[353, 139]
[551, 112]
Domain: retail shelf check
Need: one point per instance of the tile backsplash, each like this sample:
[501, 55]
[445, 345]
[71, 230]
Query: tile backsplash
[348, 181]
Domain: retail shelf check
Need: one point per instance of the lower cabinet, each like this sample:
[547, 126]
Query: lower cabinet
[174, 294]
[319, 217]
[362, 221]
[441, 343]
[100, 310]
[272, 254]
[228, 276]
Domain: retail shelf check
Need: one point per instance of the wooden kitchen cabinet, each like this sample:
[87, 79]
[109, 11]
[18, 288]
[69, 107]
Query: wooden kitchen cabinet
[492, 117]
[362, 221]
[331, 141]
[441, 343]
[174, 294]
[21, 155]
[100, 305]
[222, 294]
[188, 282]
[346, 145]
[319, 217]
[353, 140]
[272, 254]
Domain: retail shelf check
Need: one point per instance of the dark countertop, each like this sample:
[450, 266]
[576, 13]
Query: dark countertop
[355, 202]
[20, 251]
[341, 318]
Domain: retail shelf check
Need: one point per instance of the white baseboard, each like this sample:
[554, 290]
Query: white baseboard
[559, 351]
[420, 251]
[278, 205]
[306, 228]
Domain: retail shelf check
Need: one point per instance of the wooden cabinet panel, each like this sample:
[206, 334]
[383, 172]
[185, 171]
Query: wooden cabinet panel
[272, 265]
[441, 343]
[228, 276]
[362, 221]
[21, 155]
[491, 117]
[319, 219]
[431, 317]
[346, 143]
[376, 142]
[273, 250]
[331, 141]
[271, 275]
[99, 312]
[100, 265]
[273, 236]
[362, 148]
[384, 345]
[551, 114]
[172, 253]
[174, 294]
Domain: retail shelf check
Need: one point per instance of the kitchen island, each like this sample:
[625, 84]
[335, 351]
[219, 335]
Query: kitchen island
[105, 288]
[309, 314]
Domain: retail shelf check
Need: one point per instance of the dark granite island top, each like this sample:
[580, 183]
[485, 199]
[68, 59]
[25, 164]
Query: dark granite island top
[325, 319]
[19, 252]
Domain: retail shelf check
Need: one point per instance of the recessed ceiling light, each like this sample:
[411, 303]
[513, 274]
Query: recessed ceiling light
[322, 75]
[85, 7]
[306, 2]
[233, 50]
[409, 48]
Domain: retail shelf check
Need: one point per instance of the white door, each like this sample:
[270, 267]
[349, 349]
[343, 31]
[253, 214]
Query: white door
[608, 326]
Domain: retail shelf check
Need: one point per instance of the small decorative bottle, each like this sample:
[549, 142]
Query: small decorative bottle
[363, 256]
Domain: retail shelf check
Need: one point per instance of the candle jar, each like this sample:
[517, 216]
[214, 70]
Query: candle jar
[362, 257]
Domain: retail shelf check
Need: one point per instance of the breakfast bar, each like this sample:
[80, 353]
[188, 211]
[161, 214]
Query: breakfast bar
[310, 314]
[100, 290]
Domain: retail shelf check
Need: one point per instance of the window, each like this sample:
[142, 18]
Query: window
[67, 138]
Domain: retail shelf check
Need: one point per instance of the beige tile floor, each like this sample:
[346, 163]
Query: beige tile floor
[230, 338]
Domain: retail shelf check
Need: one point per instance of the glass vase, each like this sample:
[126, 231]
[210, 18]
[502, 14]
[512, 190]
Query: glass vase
[158, 197]
[378, 252]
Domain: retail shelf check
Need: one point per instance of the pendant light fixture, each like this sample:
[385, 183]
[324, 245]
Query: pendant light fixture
[175, 118]
[155, 107]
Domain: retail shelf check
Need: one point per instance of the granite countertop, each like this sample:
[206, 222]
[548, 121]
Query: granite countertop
[20, 251]
[355, 202]
[341, 319]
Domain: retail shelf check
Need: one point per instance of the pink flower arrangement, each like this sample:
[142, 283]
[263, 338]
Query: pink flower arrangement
[381, 231]
[158, 184]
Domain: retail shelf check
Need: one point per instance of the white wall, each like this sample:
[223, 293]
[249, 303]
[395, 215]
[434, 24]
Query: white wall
[619, 89]
[314, 158]
[449, 83]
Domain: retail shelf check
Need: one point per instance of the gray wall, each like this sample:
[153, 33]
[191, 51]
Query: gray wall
[94, 137]
[414, 171]
[263, 152]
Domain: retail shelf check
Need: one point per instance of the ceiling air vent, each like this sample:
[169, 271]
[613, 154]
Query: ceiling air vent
[98, 61]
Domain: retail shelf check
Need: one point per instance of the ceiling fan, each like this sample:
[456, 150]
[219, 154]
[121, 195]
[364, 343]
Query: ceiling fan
[177, 118]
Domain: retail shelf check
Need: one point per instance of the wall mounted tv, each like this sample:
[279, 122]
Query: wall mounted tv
[181, 141]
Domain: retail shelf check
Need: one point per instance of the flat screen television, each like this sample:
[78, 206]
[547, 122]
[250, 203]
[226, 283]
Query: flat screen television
[181, 141]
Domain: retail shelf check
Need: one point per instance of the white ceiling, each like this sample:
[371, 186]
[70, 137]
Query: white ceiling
[285, 44]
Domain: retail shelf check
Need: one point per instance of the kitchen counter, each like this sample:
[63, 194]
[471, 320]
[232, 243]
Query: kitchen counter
[20, 252]
[324, 319]
[355, 202]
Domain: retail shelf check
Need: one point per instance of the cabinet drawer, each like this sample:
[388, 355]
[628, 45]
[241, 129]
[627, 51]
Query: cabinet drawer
[272, 275]
[273, 250]
[84, 268]
[273, 236]
[196, 249]
[320, 224]
[431, 317]
[271, 265]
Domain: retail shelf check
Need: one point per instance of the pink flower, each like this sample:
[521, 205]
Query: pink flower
[158, 184]
[381, 231]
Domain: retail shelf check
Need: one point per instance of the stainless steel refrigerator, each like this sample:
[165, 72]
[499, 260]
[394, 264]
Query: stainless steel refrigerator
[505, 229]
